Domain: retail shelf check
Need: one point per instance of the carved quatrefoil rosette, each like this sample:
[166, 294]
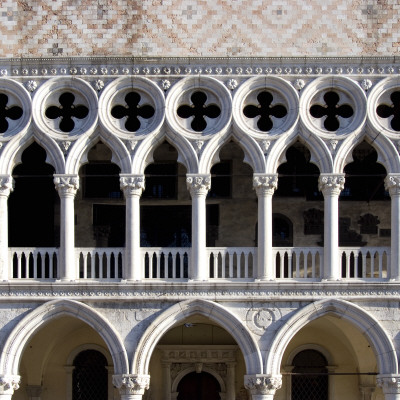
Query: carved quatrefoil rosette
[265, 106]
[333, 106]
[65, 108]
[15, 109]
[131, 107]
[384, 108]
[198, 107]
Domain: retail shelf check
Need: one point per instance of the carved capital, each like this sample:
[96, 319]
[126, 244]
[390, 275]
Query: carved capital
[9, 383]
[389, 383]
[263, 384]
[392, 184]
[6, 185]
[131, 383]
[66, 184]
[132, 185]
[331, 184]
[265, 183]
[198, 184]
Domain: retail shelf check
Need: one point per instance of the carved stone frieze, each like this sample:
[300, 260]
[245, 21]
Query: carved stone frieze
[265, 184]
[66, 184]
[9, 383]
[389, 383]
[131, 383]
[331, 184]
[392, 184]
[132, 184]
[263, 384]
[6, 185]
[198, 185]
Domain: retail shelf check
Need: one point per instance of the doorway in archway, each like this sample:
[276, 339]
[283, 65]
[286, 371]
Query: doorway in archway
[199, 386]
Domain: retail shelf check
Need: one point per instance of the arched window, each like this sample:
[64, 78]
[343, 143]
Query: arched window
[90, 376]
[309, 379]
[199, 386]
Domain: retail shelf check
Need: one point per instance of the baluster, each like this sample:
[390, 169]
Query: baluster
[174, 264]
[290, 259]
[93, 264]
[282, 264]
[246, 265]
[348, 260]
[297, 255]
[51, 256]
[313, 258]
[35, 257]
[215, 255]
[108, 261]
[19, 267]
[356, 255]
[159, 256]
[305, 259]
[85, 262]
[182, 258]
[231, 255]
[373, 265]
[381, 264]
[101, 259]
[151, 264]
[364, 265]
[223, 257]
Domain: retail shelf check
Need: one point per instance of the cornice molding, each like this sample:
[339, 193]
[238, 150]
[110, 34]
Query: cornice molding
[179, 291]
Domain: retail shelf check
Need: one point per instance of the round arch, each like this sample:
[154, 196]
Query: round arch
[29, 325]
[380, 342]
[185, 309]
[188, 370]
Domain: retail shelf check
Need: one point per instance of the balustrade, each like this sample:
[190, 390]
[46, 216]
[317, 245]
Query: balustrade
[224, 263]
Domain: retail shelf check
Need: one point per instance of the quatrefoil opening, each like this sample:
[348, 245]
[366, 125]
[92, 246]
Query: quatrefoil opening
[331, 110]
[386, 111]
[132, 111]
[67, 111]
[199, 110]
[265, 110]
[6, 113]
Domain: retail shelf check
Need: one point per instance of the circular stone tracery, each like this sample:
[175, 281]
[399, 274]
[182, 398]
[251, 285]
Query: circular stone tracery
[386, 111]
[265, 105]
[65, 108]
[198, 106]
[333, 106]
[131, 106]
[8, 112]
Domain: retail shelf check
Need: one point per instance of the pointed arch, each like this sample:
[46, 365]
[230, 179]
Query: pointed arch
[179, 312]
[11, 353]
[388, 155]
[11, 155]
[253, 154]
[320, 154]
[78, 154]
[370, 327]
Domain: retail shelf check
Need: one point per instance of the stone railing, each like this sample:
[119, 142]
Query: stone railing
[224, 263]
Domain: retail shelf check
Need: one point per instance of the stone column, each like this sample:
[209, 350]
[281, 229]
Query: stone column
[67, 186]
[6, 187]
[265, 186]
[392, 184]
[366, 392]
[262, 387]
[230, 380]
[331, 185]
[132, 186]
[131, 386]
[8, 384]
[166, 368]
[34, 392]
[199, 185]
[390, 384]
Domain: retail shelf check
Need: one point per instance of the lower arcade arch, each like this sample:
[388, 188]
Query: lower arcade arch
[196, 336]
[54, 315]
[350, 349]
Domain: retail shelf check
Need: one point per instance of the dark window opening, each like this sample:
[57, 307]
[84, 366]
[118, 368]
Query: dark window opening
[90, 376]
[33, 203]
[221, 180]
[282, 231]
[198, 386]
[165, 226]
[297, 176]
[101, 180]
[161, 181]
[109, 225]
[308, 379]
[364, 176]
